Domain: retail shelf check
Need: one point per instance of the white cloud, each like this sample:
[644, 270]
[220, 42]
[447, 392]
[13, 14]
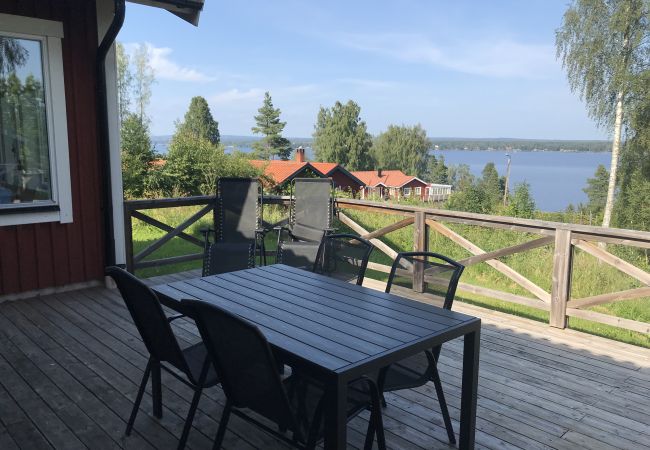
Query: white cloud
[501, 58]
[235, 95]
[166, 69]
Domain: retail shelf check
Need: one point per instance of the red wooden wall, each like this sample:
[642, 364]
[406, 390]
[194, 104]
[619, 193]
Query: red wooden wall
[341, 180]
[52, 254]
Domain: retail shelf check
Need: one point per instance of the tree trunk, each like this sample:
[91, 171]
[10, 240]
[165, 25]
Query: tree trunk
[616, 149]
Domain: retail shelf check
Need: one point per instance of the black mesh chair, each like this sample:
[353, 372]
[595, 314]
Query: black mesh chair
[237, 227]
[250, 379]
[436, 277]
[156, 332]
[344, 257]
[310, 218]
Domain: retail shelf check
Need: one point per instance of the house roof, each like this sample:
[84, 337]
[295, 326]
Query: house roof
[282, 171]
[188, 10]
[389, 178]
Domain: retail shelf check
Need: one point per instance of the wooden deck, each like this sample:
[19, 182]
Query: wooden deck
[70, 364]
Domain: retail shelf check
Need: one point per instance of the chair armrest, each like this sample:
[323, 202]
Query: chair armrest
[172, 318]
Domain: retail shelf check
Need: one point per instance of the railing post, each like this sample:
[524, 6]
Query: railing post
[128, 233]
[420, 244]
[562, 267]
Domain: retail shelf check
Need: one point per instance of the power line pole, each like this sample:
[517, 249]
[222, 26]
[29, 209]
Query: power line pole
[507, 186]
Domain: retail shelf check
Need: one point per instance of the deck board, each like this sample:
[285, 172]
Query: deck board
[70, 365]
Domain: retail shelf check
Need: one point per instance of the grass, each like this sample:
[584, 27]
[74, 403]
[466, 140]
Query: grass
[590, 276]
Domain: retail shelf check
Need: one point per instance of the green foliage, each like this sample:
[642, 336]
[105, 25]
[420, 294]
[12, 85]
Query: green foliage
[460, 176]
[633, 204]
[12, 54]
[143, 77]
[341, 136]
[124, 81]
[491, 184]
[268, 124]
[404, 148]
[437, 171]
[521, 202]
[472, 198]
[198, 121]
[194, 164]
[596, 190]
[603, 45]
[137, 153]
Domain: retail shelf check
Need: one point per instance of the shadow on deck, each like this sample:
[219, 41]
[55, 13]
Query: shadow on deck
[70, 364]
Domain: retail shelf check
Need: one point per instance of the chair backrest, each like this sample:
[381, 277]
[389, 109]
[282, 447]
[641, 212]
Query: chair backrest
[343, 256]
[311, 207]
[440, 274]
[149, 318]
[238, 210]
[243, 359]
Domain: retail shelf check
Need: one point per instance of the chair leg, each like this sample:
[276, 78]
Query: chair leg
[223, 424]
[138, 398]
[443, 405]
[190, 417]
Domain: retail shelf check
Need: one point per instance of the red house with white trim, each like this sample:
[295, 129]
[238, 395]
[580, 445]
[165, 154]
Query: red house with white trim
[391, 184]
[61, 202]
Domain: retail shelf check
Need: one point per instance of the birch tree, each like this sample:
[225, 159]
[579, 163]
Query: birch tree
[603, 46]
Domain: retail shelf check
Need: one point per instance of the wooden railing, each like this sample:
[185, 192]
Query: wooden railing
[564, 237]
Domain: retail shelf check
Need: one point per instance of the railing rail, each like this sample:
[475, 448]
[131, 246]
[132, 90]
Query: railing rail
[564, 238]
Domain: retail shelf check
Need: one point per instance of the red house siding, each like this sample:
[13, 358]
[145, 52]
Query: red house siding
[413, 184]
[53, 254]
[344, 182]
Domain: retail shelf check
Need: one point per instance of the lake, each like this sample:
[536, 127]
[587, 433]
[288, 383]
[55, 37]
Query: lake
[556, 178]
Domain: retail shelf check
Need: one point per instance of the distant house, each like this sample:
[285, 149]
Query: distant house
[396, 184]
[282, 172]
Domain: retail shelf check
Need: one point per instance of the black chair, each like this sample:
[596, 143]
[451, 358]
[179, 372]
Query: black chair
[436, 277]
[344, 257]
[249, 377]
[237, 227]
[310, 218]
[156, 332]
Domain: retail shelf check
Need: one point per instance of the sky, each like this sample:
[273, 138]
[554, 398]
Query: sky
[460, 69]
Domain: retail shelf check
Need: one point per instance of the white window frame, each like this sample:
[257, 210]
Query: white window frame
[406, 191]
[418, 190]
[50, 34]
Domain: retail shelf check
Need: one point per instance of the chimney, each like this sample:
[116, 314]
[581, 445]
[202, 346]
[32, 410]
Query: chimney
[300, 154]
[379, 173]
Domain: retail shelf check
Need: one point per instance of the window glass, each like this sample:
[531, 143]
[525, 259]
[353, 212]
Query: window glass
[24, 146]
[407, 192]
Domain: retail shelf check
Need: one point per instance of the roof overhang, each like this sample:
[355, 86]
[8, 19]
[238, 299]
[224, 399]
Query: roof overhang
[345, 172]
[188, 10]
[411, 180]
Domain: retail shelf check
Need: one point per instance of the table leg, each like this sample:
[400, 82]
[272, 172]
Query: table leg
[336, 415]
[472, 342]
[156, 389]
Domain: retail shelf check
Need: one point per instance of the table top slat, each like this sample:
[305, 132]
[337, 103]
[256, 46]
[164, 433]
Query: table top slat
[327, 323]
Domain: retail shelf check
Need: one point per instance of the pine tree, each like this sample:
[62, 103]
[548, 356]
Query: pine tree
[199, 123]
[341, 136]
[491, 184]
[137, 153]
[596, 190]
[521, 202]
[269, 125]
[437, 171]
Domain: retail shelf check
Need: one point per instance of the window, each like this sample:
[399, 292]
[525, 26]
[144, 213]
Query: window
[34, 163]
[418, 190]
[407, 192]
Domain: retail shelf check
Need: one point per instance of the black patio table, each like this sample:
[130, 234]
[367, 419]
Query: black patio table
[336, 331]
